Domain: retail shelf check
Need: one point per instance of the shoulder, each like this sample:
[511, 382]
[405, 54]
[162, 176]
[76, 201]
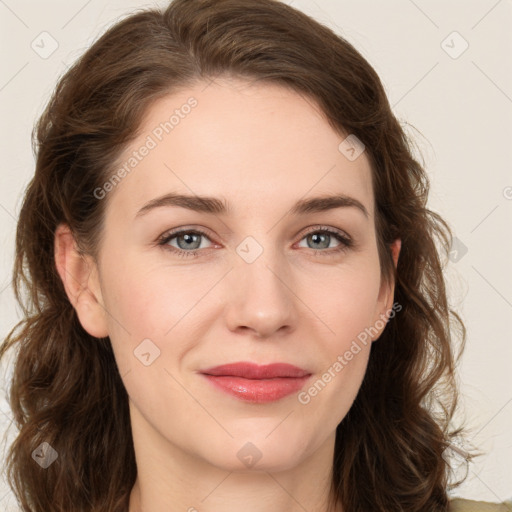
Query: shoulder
[461, 505]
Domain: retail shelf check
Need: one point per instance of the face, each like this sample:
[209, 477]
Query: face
[253, 278]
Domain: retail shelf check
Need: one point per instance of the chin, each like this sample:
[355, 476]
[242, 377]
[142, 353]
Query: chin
[256, 453]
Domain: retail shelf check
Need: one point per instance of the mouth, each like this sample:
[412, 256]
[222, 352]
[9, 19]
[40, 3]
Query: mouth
[257, 383]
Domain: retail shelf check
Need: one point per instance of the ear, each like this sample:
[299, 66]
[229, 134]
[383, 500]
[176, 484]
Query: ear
[79, 275]
[387, 293]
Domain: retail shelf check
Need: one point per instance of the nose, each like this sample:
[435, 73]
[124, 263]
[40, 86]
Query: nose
[261, 297]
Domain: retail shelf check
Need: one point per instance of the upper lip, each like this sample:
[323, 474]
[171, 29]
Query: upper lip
[250, 370]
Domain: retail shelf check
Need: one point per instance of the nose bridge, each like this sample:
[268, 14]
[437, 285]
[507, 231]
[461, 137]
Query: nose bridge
[260, 288]
[261, 259]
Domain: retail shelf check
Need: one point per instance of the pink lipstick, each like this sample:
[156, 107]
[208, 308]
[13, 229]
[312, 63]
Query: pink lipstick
[254, 383]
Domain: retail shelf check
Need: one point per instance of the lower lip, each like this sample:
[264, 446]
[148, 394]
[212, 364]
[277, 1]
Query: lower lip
[258, 390]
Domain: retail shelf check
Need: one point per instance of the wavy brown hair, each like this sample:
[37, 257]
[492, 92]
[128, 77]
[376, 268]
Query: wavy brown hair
[66, 388]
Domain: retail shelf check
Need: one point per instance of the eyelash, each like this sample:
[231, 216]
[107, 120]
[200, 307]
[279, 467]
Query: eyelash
[346, 242]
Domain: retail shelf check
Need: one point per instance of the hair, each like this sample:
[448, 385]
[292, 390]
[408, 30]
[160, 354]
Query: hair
[66, 388]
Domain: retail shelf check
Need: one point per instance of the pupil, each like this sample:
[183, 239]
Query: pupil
[317, 238]
[189, 239]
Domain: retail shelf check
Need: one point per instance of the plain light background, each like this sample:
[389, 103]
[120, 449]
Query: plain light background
[447, 69]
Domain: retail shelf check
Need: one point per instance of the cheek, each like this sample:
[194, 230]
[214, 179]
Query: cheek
[147, 298]
[144, 300]
[344, 349]
[348, 310]
[347, 302]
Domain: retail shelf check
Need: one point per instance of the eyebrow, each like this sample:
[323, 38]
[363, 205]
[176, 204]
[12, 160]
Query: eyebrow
[216, 206]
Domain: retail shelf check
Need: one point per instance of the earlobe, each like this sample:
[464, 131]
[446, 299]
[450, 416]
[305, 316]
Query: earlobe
[79, 276]
[388, 291]
[396, 246]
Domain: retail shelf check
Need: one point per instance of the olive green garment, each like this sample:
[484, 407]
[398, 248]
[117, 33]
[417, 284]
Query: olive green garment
[460, 505]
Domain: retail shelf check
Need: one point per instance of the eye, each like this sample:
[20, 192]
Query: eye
[189, 241]
[321, 237]
[186, 240]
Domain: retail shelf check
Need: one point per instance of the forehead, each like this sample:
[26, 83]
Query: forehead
[256, 145]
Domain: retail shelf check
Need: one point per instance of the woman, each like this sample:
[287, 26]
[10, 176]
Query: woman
[256, 370]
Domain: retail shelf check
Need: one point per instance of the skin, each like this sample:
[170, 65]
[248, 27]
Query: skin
[262, 148]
